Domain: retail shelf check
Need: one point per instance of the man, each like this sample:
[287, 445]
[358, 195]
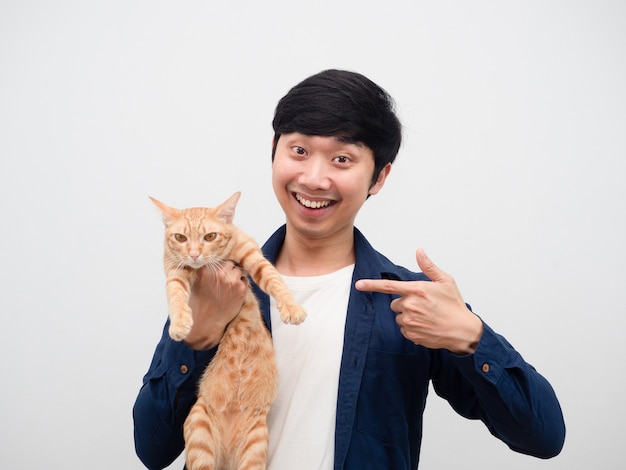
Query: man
[353, 377]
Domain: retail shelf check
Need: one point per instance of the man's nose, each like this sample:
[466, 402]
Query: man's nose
[315, 175]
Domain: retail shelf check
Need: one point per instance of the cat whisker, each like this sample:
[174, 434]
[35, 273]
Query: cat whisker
[217, 267]
[174, 262]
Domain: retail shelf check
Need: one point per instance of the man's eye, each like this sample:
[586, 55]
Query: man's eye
[299, 150]
[341, 159]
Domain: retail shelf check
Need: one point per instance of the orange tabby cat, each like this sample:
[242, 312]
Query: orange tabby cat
[226, 428]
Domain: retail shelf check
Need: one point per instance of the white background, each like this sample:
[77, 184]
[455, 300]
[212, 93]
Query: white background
[511, 176]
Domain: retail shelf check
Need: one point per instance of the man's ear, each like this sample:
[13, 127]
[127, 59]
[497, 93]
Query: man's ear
[380, 181]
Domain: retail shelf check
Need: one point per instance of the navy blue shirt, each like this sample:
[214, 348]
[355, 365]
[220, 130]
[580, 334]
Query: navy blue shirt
[383, 384]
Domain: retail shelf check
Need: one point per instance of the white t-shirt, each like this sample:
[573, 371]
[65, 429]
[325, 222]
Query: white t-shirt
[302, 419]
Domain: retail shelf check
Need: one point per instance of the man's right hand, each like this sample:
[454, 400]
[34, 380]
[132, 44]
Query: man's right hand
[215, 300]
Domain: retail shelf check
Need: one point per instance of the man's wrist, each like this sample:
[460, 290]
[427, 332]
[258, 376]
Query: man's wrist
[474, 332]
[203, 342]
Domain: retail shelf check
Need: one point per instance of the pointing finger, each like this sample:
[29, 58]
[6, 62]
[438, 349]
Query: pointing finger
[385, 286]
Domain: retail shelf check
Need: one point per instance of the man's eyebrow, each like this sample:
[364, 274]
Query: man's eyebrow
[347, 139]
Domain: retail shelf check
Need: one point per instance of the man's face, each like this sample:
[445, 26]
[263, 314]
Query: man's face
[322, 182]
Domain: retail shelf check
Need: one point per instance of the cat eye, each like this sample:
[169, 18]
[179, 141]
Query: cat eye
[210, 236]
[179, 237]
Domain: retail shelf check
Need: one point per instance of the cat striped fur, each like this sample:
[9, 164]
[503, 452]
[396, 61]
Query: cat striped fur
[226, 428]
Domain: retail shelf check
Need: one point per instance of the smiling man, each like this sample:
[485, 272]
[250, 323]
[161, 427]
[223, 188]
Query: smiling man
[353, 378]
[321, 184]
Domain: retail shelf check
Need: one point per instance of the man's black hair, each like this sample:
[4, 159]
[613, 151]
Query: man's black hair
[345, 105]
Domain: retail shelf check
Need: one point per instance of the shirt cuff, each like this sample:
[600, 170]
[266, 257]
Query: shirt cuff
[493, 354]
[184, 365]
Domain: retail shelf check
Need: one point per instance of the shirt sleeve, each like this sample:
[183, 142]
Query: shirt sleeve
[496, 385]
[168, 392]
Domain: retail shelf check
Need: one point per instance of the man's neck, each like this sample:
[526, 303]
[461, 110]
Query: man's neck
[302, 256]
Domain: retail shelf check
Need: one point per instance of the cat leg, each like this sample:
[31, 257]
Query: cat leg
[252, 450]
[178, 288]
[202, 445]
[268, 279]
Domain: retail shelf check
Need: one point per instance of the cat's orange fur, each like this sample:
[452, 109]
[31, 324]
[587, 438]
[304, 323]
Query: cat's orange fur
[226, 428]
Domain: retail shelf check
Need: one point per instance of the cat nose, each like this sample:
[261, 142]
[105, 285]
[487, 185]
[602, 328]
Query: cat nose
[194, 256]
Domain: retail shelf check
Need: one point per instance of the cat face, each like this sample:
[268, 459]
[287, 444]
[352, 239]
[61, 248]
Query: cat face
[198, 236]
[194, 240]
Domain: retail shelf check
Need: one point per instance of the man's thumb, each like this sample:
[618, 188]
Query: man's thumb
[427, 266]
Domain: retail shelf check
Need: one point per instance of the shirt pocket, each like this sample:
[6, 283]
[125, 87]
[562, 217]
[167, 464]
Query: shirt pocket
[392, 395]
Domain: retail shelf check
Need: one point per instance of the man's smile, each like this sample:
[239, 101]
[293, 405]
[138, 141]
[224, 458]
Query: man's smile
[313, 204]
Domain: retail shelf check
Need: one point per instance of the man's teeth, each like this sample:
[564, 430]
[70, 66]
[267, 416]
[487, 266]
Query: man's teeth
[312, 204]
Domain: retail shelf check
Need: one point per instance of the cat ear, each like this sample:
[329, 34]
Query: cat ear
[167, 211]
[226, 211]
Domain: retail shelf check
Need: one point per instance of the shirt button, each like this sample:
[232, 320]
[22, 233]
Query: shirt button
[184, 369]
[485, 367]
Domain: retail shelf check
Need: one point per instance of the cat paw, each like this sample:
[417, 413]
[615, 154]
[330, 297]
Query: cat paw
[180, 329]
[179, 332]
[291, 313]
